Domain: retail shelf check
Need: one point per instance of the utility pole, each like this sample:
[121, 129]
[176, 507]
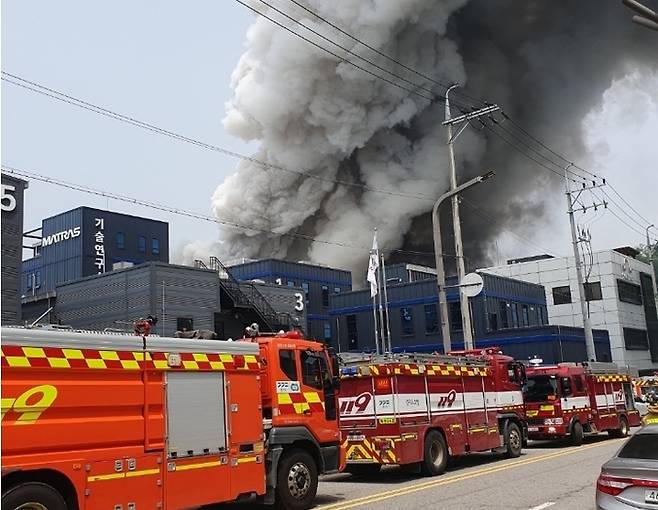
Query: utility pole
[571, 200]
[652, 250]
[456, 223]
[438, 256]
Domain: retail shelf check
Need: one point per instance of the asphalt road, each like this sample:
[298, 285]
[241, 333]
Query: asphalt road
[547, 475]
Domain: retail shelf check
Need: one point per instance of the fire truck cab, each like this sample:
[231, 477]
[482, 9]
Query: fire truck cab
[573, 400]
[419, 409]
[97, 420]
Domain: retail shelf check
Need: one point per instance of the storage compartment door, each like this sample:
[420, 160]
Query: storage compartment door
[196, 418]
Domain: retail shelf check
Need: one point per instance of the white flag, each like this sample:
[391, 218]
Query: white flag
[373, 266]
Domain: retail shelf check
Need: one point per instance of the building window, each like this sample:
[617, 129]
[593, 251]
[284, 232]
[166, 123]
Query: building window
[352, 333]
[629, 292]
[431, 319]
[336, 290]
[291, 283]
[325, 295]
[28, 281]
[155, 246]
[635, 339]
[455, 312]
[121, 240]
[37, 279]
[288, 365]
[327, 331]
[593, 291]
[406, 321]
[141, 244]
[184, 324]
[525, 316]
[561, 295]
[515, 315]
[493, 321]
[305, 286]
[503, 306]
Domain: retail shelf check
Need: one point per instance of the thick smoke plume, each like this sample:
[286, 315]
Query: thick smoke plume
[546, 62]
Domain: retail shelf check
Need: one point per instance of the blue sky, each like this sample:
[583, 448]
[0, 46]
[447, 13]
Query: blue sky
[167, 63]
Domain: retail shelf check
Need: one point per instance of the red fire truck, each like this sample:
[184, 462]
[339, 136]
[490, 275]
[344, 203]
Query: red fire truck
[415, 409]
[572, 400]
[99, 420]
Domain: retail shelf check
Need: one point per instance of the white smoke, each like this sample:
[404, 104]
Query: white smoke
[311, 113]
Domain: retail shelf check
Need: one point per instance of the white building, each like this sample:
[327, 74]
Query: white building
[621, 298]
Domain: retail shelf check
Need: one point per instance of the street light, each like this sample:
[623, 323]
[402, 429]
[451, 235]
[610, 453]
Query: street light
[645, 16]
[438, 254]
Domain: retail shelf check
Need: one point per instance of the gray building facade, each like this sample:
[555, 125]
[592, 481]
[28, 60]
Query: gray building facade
[13, 191]
[507, 313]
[317, 283]
[181, 297]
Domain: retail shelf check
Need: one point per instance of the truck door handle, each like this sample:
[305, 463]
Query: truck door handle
[307, 411]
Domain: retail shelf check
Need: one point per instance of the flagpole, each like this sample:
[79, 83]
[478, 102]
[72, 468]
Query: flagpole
[374, 316]
[373, 266]
[388, 320]
[382, 323]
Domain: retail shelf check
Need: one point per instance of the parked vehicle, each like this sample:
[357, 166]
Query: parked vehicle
[419, 409]
[573, 400]
[629, 481]
[97, 420]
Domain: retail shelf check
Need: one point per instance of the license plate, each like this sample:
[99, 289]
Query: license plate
[356, 437]
[533, 429]
[651, 496]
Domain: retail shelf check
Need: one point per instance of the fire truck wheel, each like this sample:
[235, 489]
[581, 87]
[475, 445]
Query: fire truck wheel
[622, 431]
[577, 434]
[513, 440]
[297, 481]
[33, 496]
[435, 457]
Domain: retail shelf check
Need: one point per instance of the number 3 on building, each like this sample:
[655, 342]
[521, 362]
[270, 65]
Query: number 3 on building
[299, 301]
[8, 200]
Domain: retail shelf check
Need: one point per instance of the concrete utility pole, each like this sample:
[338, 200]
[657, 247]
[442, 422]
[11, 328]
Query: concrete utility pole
[652, 250]
[456, 223]
[438, 256]
[587, 325]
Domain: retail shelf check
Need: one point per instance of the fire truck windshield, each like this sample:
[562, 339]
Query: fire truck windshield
[539, 388]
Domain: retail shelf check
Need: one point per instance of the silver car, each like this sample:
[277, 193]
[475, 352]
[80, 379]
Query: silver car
[629, 481]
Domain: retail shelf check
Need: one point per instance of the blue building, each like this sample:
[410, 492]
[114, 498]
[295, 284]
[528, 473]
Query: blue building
[316, 284]
[84, 242]
[507, 313]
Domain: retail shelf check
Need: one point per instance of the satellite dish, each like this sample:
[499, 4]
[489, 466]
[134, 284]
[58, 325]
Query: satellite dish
[471, 285]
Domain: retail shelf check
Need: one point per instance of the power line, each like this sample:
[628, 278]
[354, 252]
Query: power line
[190, 214]
[71, 100]
[65, 98]
[347, 50]
[386, 56]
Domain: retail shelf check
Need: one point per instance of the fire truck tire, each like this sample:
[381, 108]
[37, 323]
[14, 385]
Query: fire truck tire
[297, 481]
[577, 434]
[622, 431]
[435, 457]
[513, 440]
[33, 496]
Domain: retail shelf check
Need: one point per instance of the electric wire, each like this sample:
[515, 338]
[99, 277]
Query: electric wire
[191, 214]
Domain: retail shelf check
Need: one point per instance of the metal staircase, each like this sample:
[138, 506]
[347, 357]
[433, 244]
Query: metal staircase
[246, 295]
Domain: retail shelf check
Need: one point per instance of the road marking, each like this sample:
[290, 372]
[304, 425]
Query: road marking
[374, 498]
[542, 506]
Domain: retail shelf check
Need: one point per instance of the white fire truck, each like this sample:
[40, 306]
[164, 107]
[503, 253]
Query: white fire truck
[419, 409]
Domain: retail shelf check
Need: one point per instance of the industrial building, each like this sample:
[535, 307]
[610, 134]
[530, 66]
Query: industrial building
[316, 284]
[86, 241]
[181, 297]
[13, 191]
[508, 313]
[620, 293]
